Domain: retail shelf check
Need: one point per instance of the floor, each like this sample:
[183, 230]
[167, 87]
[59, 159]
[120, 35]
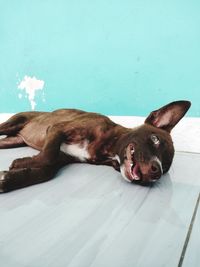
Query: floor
[88, 216]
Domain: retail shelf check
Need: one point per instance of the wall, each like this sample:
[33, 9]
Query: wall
[111, 56]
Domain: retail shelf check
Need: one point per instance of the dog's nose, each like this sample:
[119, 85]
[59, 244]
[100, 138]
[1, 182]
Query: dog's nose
[155, 170]
[151, 170]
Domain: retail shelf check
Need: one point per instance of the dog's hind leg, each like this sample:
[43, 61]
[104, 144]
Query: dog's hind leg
[11, 128]
[11, 142]
[14, 124]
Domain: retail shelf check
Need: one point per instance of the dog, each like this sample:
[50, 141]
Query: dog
[142, 154]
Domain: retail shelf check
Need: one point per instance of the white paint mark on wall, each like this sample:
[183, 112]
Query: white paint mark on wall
[31, 85]
[20, 96]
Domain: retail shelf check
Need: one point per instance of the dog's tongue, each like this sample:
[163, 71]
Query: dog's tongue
[135, 170]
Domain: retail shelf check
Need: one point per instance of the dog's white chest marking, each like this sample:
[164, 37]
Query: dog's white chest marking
[79, 151]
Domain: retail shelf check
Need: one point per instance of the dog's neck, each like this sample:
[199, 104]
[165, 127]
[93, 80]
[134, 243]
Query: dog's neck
[116, 139]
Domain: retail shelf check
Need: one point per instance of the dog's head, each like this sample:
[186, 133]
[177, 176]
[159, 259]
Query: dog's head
[146, 152]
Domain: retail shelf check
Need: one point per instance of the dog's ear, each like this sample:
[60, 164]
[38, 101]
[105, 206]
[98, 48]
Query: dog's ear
[168, 116]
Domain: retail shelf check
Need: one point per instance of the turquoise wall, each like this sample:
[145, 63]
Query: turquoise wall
[111, 56]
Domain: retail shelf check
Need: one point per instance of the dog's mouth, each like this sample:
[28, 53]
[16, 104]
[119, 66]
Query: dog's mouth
[131, 169]
[142, 172]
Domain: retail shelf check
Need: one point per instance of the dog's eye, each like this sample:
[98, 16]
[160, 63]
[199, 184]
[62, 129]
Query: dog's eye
[155, 139]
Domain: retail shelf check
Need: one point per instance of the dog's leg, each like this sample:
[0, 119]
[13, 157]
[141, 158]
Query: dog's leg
[19, 178]
[15, 123]
[49, 154]
[11, 141]
[11, 127]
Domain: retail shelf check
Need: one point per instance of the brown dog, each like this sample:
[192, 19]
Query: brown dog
[141, 154]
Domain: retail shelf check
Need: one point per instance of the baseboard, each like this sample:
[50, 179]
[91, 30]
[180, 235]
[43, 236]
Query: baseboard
[186, 135]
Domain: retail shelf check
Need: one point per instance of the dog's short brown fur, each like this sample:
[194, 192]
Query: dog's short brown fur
[64, 136]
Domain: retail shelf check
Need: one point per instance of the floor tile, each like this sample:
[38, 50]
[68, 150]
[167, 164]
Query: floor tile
[89, 216]
[192, 256]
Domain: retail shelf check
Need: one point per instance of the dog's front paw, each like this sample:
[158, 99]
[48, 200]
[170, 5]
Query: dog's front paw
[21, 163]
[3, 179]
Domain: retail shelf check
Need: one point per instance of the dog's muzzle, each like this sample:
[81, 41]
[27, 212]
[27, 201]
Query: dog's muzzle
[140, 171]
[151, 171]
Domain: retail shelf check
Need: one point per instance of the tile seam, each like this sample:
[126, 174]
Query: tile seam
[187, 239]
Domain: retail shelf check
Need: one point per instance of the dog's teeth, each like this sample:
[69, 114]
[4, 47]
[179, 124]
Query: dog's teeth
[132, 151]
[136, 178]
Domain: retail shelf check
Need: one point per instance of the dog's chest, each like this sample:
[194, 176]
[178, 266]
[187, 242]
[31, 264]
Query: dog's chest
[79, 151]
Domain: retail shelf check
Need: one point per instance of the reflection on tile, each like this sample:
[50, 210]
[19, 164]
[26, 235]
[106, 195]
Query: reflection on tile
[89, 216]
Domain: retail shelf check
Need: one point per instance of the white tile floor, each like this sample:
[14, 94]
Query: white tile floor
[88, 216]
